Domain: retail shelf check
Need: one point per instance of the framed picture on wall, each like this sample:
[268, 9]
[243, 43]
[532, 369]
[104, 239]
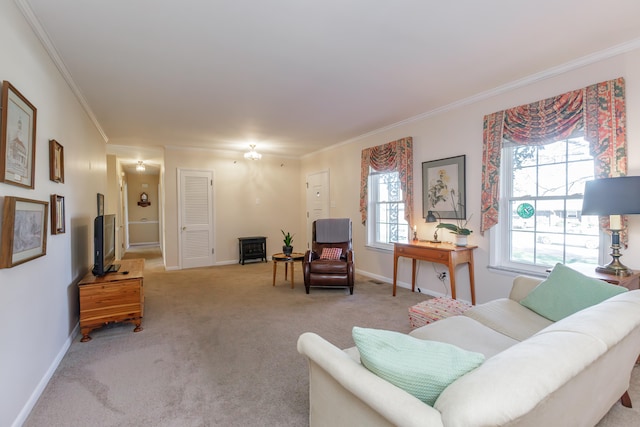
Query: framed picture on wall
[57, 214]
[24, 231]
[56, 161]
[444, 188]
[17, 138]
[100, 204]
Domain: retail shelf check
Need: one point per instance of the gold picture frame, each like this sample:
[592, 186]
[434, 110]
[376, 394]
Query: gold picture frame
[57, 214]
[17, 138]
[24, 231]
[56, 161]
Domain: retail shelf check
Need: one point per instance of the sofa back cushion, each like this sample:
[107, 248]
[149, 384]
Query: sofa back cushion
[567, 291]
[421, 368]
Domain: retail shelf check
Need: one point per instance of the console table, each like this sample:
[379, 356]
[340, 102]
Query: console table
[441, 253]
[252, 248]
[114, 297]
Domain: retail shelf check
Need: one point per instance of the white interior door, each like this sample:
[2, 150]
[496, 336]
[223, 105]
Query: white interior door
[318, 202]
[196, 218]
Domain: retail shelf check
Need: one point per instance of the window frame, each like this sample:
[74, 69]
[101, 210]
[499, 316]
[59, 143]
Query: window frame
[372, 211]
[500, 235]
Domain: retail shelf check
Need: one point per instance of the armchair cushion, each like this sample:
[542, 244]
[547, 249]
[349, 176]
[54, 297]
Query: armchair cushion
[328, 266]
[420, 367]
[331, 253]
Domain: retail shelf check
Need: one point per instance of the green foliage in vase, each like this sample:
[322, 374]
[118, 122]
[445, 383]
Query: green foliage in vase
[288, 238]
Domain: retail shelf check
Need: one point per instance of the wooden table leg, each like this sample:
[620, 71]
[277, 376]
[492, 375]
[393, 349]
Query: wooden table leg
[395, 273]
[472, 285]
[286, 268]
[452, 280]
[413, 275]
[293, 265]
[275, 267]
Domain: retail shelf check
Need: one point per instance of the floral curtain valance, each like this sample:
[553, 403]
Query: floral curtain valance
[597, 110]
[396, 156]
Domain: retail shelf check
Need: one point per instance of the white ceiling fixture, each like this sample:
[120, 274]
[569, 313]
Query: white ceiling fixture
[252, 154]
[140, 167]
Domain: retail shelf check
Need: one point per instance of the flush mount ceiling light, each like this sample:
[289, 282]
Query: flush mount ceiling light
[252, 154]
[140, 166]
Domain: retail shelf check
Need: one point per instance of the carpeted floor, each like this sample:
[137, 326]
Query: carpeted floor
[219, 349]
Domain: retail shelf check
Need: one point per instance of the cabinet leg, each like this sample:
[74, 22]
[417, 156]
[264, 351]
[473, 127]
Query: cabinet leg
[138, 326]
[85, 338]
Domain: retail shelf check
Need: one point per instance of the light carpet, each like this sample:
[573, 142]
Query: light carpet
[219, 349]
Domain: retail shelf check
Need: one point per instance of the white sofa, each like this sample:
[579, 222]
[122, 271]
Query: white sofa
[536, 372]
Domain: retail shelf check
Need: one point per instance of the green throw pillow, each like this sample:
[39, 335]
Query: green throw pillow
[421, 368]
[567, 291]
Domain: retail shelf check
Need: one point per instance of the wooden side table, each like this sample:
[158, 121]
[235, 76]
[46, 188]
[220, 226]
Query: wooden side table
[441, 253]
[287, 259]
[631, 282]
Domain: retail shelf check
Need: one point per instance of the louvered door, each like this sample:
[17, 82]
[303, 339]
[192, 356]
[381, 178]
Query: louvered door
[196, 218]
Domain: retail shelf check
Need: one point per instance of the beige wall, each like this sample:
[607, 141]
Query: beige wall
[457, 132]
[39, 299]
[251, 198]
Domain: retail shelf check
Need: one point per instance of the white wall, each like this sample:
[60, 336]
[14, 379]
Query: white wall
[457, 132]
[38, 299]
[251, 198]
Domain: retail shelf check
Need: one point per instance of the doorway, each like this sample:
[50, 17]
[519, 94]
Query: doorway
[318, 202]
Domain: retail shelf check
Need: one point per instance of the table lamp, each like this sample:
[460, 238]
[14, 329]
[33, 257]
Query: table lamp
[613, 197]
[432, 218]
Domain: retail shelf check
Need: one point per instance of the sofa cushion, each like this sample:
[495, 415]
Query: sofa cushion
[567, 291]
[465, 333]
[509, 318]
[421, 368]
[512, 383]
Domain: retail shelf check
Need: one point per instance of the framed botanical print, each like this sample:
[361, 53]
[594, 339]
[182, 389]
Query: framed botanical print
[443, 188]
[56, 161]
[24, 231]
[17, 138]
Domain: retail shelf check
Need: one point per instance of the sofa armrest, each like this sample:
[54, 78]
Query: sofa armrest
[521, 287]
[343, 392]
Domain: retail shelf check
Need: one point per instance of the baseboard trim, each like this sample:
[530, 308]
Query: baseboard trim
[37, 392]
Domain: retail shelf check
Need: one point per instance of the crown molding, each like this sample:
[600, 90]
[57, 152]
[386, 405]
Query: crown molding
[42, 35]
[525, 81]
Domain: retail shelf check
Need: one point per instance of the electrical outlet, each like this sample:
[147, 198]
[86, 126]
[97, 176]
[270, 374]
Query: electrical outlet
[441, 276]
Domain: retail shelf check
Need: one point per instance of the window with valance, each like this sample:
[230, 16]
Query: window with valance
[597, 110]
[392, 159]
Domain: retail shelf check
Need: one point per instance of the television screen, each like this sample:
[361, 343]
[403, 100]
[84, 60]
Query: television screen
[104, 244]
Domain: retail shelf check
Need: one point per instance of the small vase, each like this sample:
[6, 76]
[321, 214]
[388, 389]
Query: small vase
[287, 250]
[461, 240]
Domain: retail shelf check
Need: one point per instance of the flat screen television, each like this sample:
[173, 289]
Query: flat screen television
[104, 245]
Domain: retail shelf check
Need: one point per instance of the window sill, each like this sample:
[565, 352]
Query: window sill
[510, 271]
[380, 248]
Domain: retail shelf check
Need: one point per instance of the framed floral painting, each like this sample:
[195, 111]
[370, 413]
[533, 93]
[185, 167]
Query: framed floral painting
[444, 188]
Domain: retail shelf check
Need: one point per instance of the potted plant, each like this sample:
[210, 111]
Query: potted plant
[288, 239]
[460, 227]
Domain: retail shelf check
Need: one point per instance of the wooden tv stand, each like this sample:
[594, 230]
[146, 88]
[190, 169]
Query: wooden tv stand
[114, 297]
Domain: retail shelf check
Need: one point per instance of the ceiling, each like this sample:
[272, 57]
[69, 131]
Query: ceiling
[296, 76]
